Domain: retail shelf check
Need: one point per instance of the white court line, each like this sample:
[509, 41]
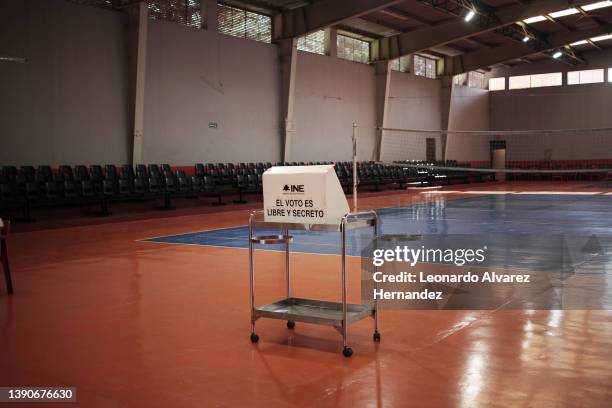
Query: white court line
[589, 193]
[560, 192]
[487, 192]
[440, 192]
[424, 188]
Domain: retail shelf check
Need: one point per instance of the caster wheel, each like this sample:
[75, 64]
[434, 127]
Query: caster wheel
[376, 337]
[290, 324]
[254, 338]
[347, 352]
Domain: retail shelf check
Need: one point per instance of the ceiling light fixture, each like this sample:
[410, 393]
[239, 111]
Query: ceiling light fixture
[602, 38]
[598, 5]
[10, 58]
[535, 19]
[557, 55]
[470, 15]
[563, 13]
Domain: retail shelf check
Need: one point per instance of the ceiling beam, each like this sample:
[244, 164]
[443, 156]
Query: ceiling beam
[405, 16]
[321, 14]
[487, 57]
[422, 39]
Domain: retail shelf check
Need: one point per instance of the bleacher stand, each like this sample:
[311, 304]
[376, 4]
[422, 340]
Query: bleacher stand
[26, 187]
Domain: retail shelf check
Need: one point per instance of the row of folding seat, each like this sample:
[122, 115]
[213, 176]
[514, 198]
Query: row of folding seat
[378, 176]
[28, 187]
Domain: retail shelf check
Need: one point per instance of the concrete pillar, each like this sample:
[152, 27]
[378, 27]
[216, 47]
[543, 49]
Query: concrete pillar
[446, 96]
[332, 42]
[383, 82]
[138, 27]
[211, 15]
[288, 62]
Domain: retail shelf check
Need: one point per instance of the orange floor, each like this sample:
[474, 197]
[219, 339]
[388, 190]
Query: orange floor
[134, 324]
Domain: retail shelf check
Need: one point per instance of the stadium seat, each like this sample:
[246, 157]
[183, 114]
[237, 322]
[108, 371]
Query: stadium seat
[124, 188]
[81, 173]
[4, 256]
[66, 172]
[170, 188]
[71, 193]
[141, 187]
[211, 189]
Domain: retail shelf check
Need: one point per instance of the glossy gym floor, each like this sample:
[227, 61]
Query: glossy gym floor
[131, 322]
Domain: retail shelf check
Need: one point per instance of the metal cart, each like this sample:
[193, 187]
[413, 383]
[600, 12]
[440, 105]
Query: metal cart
[336, 314]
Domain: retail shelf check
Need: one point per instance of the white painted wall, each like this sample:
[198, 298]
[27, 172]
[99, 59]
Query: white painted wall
[68, 103]
[195, 77]
[469, 110]
[414, 103]
[331, 94]
[561, 107]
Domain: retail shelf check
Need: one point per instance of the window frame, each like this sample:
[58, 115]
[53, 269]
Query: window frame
[497, 80]
[401, 64]
[244, 32]
[476, 79]
[178, 12]
[541, 77]
[416, 69]
[352, 53]
[303, 41]
[584, 73]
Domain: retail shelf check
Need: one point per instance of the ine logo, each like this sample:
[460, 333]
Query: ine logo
[294, 188]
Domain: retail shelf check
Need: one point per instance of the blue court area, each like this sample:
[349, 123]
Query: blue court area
[521, 230]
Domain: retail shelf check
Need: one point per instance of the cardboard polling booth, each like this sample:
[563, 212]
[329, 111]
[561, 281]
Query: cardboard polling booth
[303, 194]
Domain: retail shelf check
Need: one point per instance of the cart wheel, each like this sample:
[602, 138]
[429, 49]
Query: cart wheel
[254, 338]
[290, 324]
[347, 351]
[376, 337]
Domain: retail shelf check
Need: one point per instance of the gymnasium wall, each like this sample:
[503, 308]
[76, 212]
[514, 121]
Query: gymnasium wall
[469, 110]
[69, 103]
[414, 103]
[197, 77]
[558, 107]
[331, 94]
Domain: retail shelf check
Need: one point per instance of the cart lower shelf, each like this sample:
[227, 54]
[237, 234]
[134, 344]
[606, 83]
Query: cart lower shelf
[313, 311]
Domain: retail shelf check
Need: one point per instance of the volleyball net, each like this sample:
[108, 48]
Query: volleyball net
[515, 153]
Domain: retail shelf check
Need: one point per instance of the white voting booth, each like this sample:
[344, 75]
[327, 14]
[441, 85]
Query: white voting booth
[307, 198]
[303, 194]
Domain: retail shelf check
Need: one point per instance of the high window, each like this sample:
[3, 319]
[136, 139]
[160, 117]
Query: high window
[353, 49]
[243, 23]
[497, 84]
[590, 76]
[314, 42]
[186, 12]
[424, 66]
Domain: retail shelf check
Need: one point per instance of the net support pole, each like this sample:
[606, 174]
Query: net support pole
[288, 65]
[354, 166]
[139, 23]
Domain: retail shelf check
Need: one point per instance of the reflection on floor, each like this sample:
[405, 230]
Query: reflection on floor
[133, 323]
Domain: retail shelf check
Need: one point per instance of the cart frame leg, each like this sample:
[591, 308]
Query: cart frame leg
[252, 278]
[344, 306]
[376, 334]
[287, 265]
